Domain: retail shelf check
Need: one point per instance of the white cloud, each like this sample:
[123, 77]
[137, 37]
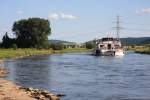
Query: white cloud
[19, 12]
[53, 16]
[68, 16]
[143, 11]
[57, 16]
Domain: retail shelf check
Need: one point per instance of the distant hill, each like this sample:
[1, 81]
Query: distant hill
[60, 41]
[135, 41]
[147, 41]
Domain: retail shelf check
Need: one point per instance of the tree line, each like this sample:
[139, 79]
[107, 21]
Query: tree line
[32, 33]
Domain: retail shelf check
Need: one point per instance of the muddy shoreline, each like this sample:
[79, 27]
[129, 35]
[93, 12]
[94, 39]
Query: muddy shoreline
[11, 91]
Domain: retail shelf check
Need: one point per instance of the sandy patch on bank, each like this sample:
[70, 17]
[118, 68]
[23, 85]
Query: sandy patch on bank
[9, 91]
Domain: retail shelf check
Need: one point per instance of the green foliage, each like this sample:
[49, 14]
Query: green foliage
[6, 41]
[57, 46]
[132, 46]
[90, 45]
[32, 32]
[14, 46]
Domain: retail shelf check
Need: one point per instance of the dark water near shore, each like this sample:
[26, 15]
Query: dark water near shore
[85, 77]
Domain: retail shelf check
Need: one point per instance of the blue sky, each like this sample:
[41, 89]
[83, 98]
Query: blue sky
[80, 20]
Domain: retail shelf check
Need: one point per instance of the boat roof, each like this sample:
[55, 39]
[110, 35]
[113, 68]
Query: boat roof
[109, 39]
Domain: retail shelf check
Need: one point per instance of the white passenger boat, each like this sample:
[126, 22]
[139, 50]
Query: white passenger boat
[108, 47]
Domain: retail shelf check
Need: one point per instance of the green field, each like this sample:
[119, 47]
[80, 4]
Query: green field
[140, 49]
[11, 53]
[143, 51]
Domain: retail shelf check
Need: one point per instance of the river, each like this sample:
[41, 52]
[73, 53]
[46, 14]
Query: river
[84, 77]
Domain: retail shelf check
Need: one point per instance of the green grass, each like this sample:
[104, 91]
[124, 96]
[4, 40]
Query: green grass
[141, 49]
[11, 53]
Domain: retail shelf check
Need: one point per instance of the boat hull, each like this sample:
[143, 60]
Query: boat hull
[109, 53]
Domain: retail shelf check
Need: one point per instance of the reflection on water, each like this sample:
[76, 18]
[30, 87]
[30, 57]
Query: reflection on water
[85, 77]
[36, 71]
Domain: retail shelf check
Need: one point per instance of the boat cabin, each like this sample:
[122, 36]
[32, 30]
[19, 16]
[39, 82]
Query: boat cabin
[108, 44]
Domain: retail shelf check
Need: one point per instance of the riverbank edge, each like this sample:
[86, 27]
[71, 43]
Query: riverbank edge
[20, 53]
[143, 52]
[11, 91]
[140, 49]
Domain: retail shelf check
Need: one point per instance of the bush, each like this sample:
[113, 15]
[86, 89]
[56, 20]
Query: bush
[132, 46]
[14, 46]
[89, 45]
[57, 46]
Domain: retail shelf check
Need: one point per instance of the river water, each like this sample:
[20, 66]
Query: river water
[85, 77]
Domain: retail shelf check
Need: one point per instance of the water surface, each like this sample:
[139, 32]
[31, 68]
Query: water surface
[85, 77]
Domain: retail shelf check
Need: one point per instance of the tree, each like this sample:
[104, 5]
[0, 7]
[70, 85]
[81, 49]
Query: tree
[57, 46]
[14, 46]
[89, 45]
[32, 32]
[6, 41]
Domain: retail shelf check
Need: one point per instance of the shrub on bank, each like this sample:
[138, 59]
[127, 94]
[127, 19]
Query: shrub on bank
[57, 46]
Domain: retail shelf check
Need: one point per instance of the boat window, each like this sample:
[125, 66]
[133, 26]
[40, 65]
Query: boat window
[101, 45]
[108, 39]
[109, 46]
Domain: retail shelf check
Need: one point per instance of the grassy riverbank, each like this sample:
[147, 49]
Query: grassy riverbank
[11, 53]
[140, 49]
[143, 51]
